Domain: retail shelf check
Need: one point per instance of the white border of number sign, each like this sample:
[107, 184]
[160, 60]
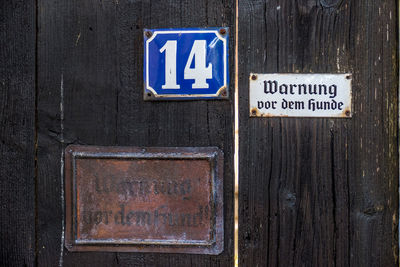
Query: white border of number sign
[184, 32]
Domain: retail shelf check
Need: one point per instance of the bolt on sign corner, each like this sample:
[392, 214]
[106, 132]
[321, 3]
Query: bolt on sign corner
[130, 199]
[186, 64]
[300, 95]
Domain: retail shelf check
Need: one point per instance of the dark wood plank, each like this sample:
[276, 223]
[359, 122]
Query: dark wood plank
[320, 192]
[90, 63]
[17, 133]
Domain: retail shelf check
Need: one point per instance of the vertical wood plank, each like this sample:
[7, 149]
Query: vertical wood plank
[17, 135]
[91, 64]
[320, 192]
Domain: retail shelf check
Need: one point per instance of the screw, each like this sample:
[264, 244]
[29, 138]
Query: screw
[254, 77]
[148, 34]
[347, 113]
[222, 31]
[149, 94]
[348, 77]
[223, 93]
[254, 112]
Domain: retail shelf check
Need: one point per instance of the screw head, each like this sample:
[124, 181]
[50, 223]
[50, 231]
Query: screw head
[222, 31]
[148, 34]
[149, 94]
[254, 77]
[223, 93]
[347, 113]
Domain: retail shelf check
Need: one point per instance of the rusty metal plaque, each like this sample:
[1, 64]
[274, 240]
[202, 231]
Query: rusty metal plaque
[133, 199]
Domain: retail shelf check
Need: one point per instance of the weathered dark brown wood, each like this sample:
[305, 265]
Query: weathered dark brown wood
[17, 135]
[320, 192]
[90, 63]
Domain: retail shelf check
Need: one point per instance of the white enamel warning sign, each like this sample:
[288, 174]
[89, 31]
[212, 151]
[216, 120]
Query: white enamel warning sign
[300, 95]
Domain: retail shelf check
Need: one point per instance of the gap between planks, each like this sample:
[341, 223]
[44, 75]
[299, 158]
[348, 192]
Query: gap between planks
[236, 141]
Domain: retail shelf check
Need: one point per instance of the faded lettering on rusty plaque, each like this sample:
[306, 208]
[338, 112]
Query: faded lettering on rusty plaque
[144, 199]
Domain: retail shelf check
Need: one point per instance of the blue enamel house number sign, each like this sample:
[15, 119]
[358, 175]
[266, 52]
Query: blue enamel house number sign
[186, 64]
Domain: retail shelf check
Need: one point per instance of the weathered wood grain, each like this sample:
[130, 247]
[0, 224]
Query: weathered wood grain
[320, 192]
[17, 135]
[90, 63]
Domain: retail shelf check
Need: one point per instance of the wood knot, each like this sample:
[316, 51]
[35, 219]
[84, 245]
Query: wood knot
[373, 210]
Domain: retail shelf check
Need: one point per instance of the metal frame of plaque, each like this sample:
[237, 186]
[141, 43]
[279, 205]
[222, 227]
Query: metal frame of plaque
[81, 164]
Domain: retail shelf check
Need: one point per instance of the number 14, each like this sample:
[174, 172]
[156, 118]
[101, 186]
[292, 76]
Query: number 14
[200, 73]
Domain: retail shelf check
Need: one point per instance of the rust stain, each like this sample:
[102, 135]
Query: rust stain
[253, 77]
[254, 112]
[346, 113]
[155, 199]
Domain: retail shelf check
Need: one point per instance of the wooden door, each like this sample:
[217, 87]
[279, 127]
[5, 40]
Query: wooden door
[312, 191]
